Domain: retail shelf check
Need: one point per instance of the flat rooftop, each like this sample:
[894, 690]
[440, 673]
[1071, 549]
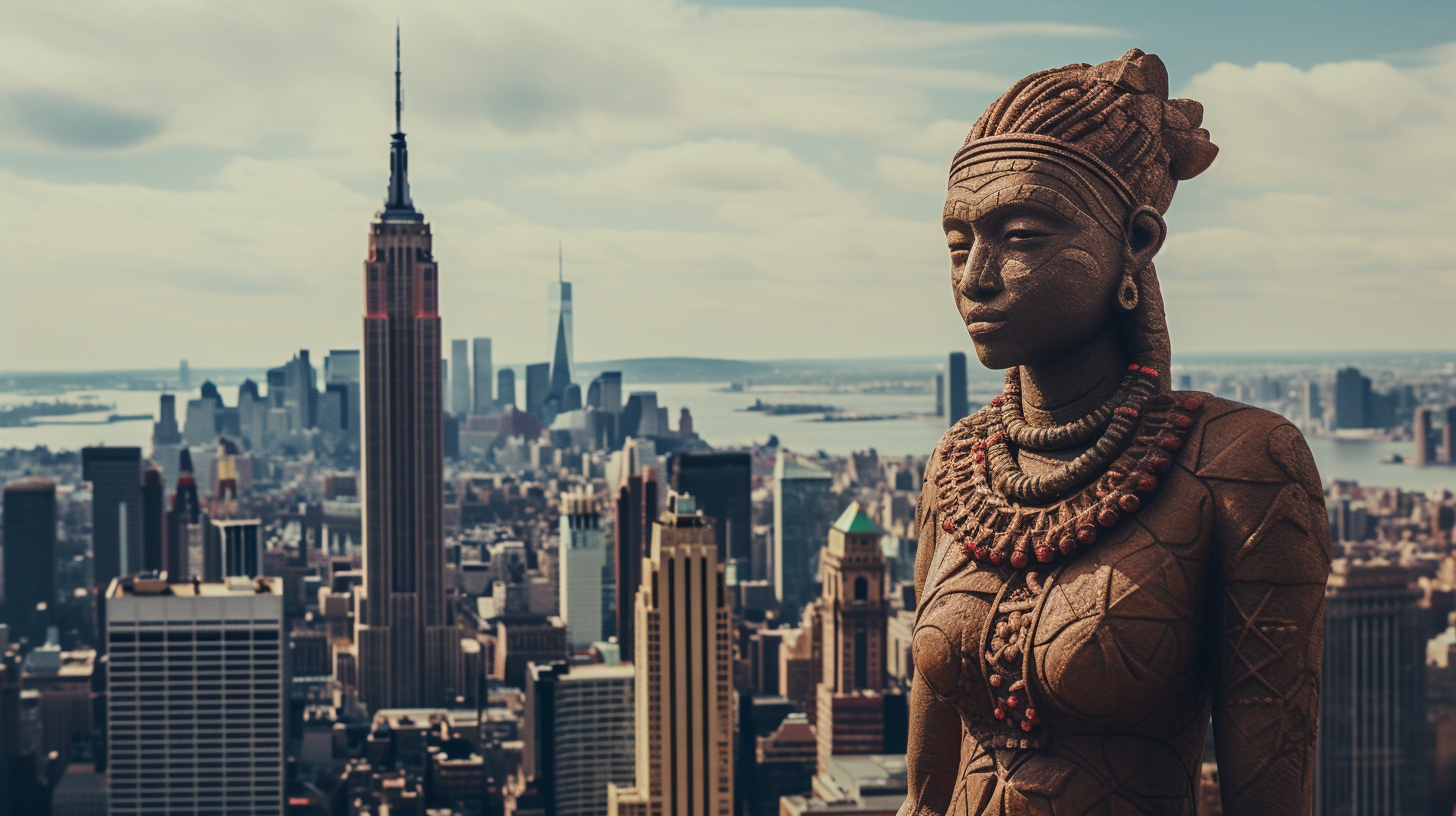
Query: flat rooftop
[141, 587]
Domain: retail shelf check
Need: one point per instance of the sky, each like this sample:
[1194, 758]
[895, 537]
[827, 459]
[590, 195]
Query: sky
[185, 179]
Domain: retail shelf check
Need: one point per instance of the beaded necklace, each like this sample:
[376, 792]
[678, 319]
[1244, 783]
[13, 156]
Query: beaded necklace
[1003, 517]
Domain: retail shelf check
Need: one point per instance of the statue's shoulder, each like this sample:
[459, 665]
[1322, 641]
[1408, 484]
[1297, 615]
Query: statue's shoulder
[1268, 499]
[1234, 442]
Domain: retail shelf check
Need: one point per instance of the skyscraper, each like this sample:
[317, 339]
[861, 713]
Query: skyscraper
[583, 556]
[166, 438]
[580, 735]
[802, 510]
[636, 506]
[957, 401]
[31, 584]
[538, 384]
[1352, 399]
[722, 483]
[115, 475]
[461, 391]
[1421, 436]
[1372, 753]
[484, 401]
[222, 747]
[683, 686]
[341, 368]
[562, 338]
[153, 512]
[505, 392]
[407, 641]
[1448, 435]
[855, 615]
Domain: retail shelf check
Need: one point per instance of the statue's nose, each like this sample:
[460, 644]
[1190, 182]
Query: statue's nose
[981, 277]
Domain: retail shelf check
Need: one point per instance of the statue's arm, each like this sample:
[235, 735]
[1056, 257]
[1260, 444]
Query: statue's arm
[932, 755]
[1273, 559]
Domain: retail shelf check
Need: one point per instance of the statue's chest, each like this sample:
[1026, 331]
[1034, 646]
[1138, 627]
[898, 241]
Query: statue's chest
[1095, 644]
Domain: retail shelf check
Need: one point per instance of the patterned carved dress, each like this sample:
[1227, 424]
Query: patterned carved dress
[1083, 671]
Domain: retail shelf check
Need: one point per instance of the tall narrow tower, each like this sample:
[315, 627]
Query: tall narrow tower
[855, 614]
[563, 351]
[409, 648]
[683, 687]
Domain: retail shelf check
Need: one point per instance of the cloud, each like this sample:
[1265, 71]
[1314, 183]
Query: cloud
[64, 121]
[1324, 222]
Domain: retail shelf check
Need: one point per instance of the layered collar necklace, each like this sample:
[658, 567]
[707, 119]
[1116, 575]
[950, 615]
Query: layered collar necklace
[1004, 516]
[1009, 520]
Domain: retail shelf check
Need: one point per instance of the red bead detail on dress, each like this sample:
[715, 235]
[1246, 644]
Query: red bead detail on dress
[1133, 367]
[995, 556]
[1147, 483]
[1108, 517]
[1026, 725]
[1086, 535]
[996, 437]
[1170, 442]
[1161, 461]
[948, 526]
[979, 552]
[980, 456]
[994, 680]
[1192, 402]
[1000, 714]
[1151, 372]
[1043, 553]
[1031, 714]
[1181, 421]
[1129, 503]
[1018, 559]
[1067, 545]
[1013, 701]
[997, 400]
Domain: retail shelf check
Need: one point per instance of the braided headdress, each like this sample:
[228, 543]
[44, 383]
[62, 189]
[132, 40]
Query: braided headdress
[1113, 122]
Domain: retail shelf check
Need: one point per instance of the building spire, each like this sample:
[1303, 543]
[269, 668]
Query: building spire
[397, 204]
[398, 104]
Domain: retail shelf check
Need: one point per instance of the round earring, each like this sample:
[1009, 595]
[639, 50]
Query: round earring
[1127, 293]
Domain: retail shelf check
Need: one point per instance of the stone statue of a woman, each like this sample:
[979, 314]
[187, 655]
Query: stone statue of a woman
[1104, 563]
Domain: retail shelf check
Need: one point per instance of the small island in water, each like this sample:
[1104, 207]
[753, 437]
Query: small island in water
[16, 415]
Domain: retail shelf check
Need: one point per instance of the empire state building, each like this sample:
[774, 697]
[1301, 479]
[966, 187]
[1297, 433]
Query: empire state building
[408, 644]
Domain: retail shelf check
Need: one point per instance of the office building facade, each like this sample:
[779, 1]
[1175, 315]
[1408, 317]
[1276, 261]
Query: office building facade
[115, 475]
[722, 483]
[583, 553]
[484, 396]
[580, 734]
[31, 582]
[683, 668]
[802, 510]
[213, 742]
[1372, 734]
[461, 390]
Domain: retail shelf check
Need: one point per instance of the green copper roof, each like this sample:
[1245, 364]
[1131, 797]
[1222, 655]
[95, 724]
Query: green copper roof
[856, 520]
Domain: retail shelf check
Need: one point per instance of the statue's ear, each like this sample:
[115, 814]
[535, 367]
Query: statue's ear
[1146, 231]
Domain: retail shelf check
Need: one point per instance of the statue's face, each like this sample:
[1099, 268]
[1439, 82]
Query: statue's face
[1033, 271]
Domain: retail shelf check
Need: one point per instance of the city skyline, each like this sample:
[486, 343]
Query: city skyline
[786, 188]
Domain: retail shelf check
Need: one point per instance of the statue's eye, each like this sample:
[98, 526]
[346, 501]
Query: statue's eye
[1016, 236]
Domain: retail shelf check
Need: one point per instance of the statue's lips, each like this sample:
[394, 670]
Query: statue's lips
[983, 321]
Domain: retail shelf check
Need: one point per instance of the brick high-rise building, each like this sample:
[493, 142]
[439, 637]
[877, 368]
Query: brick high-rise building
[408, 643]
[683, 686]
[855, 615]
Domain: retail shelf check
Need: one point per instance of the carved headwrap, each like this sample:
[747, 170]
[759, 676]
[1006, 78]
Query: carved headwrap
[1113, 122]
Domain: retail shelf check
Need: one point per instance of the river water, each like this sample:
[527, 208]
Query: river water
[718, 417]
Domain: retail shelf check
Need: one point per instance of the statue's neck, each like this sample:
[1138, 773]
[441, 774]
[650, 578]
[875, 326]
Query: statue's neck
[1072, 386]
